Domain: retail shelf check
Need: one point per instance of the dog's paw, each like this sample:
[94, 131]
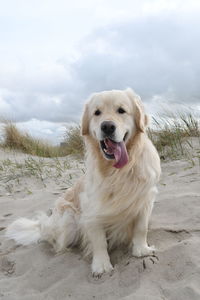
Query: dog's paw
[146, 250]
[101, 266]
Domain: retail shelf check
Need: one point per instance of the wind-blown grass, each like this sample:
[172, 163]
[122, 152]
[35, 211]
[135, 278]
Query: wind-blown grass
[171, 134]
[73, 141]
[16, 139]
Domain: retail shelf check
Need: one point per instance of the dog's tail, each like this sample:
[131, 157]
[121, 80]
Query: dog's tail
[24, 231]
[60, 230]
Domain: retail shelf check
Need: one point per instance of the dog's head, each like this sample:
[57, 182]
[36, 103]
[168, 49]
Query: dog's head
[112, 118]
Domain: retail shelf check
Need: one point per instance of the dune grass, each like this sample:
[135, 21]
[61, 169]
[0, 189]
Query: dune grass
[13, 171]
[16, 139]
[172, 135]
[73, 141]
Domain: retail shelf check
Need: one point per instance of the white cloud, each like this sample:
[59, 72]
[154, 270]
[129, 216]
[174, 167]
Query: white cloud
[51, 131]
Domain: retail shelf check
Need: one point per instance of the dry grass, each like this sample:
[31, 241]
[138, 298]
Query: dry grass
[15, 139]
[172, 135]
[13, 172]
[73, 141]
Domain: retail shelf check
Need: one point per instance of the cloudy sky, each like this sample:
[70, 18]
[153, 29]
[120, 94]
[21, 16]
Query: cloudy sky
[54, 53]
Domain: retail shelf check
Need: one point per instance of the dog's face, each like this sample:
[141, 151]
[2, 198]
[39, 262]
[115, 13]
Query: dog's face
[112, 118]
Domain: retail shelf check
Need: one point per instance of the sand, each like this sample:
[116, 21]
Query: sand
[34, 272]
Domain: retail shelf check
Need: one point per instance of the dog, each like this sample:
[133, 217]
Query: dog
[112, 203]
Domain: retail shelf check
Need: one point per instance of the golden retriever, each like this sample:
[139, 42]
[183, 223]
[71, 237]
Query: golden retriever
[112, 204]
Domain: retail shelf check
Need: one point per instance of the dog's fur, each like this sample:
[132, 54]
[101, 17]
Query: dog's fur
[109, 206]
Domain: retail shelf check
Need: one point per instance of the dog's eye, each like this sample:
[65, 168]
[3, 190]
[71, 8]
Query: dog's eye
[121, 110]
[97, 112]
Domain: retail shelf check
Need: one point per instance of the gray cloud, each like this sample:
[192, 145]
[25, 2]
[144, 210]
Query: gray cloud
[156, 56]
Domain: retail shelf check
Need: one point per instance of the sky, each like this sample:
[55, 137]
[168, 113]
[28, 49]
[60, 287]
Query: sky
[55, 53]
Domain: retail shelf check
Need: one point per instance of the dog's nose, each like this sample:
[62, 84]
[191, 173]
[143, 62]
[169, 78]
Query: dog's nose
[108, 127]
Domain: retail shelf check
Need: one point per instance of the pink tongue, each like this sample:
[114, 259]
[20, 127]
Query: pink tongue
[119, 151]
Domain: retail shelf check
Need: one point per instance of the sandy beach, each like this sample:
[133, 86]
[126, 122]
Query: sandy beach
[29, 184]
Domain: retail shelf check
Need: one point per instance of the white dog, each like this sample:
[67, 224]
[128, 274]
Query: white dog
[112, 204]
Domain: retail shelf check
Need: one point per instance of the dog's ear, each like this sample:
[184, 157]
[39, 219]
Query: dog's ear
[141, 119]
[85, 121]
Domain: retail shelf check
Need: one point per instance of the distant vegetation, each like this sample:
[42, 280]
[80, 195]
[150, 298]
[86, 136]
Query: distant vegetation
[15, 139]
[170, 134]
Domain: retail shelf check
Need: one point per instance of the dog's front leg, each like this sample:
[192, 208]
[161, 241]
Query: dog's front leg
[140, 246]
[101, 260]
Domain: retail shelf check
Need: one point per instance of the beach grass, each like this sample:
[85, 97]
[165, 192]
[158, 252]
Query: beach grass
[173, 135]
[15, 139]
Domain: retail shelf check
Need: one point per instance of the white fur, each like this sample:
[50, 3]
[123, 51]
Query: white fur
[24, 231]
[109, 206]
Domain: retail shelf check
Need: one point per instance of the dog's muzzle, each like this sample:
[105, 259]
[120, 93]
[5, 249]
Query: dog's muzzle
[115, 150]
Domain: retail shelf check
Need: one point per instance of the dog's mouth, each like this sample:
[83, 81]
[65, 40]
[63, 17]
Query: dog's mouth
[115, 150]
